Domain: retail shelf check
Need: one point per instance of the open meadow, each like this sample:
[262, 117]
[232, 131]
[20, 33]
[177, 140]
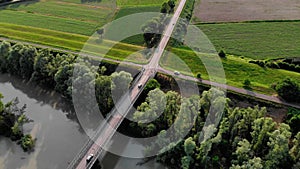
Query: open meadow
[237, 70]
[256, 40]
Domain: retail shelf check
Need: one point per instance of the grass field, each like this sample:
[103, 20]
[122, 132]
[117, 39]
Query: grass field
[260, 40]
[125, 11]
[58, 15]
[236, 70]
[69, 41]
[122, 3]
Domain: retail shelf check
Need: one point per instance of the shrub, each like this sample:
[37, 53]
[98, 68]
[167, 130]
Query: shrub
[289, 90]
[222, 54]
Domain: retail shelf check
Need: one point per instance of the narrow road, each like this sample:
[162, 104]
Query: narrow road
[234, 89]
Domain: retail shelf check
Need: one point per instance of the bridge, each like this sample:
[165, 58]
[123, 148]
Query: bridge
[105, 132]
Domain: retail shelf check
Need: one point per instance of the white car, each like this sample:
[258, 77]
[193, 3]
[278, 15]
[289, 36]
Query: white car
[89, 158]
[177, 73]
[140, 85]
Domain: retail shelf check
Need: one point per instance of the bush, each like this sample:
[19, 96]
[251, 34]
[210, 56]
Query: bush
[247, 84]
[289, 90]
[27, 143]
[222, 54]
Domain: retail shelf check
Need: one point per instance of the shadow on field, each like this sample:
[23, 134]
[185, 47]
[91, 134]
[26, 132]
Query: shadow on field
[16, 4]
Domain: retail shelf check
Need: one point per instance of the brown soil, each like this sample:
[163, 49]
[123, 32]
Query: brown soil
[246, 10]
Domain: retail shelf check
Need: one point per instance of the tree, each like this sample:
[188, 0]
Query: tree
[27, 61]
[243, 151]
[255, 163]
[222, 54]
[44, 71]
[151, 85]
[295, 150]
[14, 59]
[288, 89]
[261, 128]
[121, 82]
[5, 48]
[189, 146]
[27, 142]
[63, 80]
[247, 84]
[278, 147]
[199, 75]
[103, 86]
[100, 32]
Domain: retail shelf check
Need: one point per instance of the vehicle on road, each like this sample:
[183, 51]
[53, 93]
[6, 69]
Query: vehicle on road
[89, 158]
[177, 73]
[140, 85]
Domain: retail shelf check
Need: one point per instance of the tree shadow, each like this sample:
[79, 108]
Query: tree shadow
[89, 1]
[16, 5]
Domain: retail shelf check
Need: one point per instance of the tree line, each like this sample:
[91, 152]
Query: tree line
[244, 138]
[56, 70]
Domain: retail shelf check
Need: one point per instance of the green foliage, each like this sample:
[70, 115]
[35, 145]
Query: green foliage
[295, 150]
[222, 54]
[151, 85]
[189, 146]
[199, 75]
[27, 142]
[293, 119]
[260, 134]
[5, 48]
[250, 139]
[247, 84]
[279, 147]
[288, 89]
[12, 119]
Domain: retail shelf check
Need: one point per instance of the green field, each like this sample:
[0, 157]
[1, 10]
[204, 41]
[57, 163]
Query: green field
[236, 70]
[59, 16]
[70, 41]
[132, 10]
[139, 2]
[257, 40]
[125, 11]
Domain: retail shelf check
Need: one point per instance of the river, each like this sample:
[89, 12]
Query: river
[58, 135]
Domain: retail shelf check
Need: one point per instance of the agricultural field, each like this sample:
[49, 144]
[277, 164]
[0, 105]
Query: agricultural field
[58, 15]
[122, 3]
[245, 10]
[236, 70]
[256, 40]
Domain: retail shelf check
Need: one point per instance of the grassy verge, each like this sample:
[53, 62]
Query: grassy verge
[236, 70]
[257, 40]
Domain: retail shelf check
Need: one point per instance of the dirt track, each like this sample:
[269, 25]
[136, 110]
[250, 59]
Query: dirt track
[246, 10]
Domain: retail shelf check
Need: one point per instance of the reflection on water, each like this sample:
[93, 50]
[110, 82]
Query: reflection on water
[59, 136]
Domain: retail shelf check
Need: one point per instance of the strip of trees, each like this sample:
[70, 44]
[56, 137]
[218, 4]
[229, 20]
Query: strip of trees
[245, 137]
[55, 70]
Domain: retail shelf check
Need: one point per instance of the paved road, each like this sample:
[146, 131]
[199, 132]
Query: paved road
[115, 118]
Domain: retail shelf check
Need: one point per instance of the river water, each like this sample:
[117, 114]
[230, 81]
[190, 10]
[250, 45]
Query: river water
[58, 135]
